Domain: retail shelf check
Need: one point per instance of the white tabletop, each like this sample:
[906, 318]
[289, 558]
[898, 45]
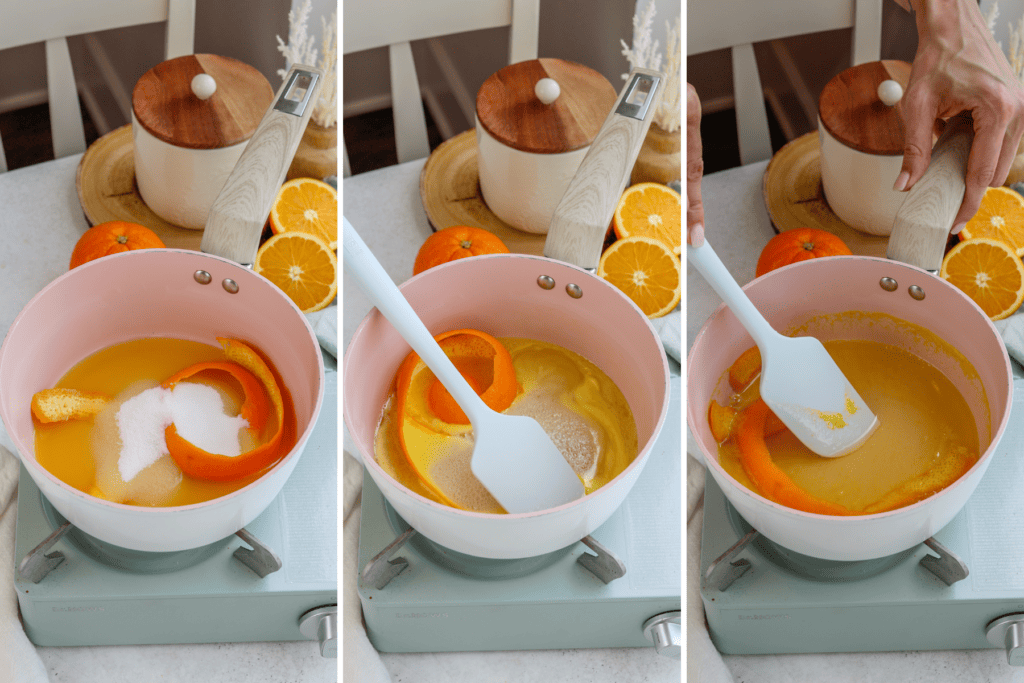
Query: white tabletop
[40, 221]
[738, 227]
[384, 207]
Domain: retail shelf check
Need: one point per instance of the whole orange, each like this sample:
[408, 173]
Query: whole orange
[799, 244]
[458, 241]
[112, 237]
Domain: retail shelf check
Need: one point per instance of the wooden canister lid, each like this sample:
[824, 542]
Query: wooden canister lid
[165, 105]
[508, 107]
[853, 114]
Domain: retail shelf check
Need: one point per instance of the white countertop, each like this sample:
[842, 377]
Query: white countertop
[40, 222]
[738, 227]
[384, 207]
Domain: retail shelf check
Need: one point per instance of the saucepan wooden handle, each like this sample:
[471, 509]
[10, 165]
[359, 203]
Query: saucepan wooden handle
[923, 222]
[236, 219]
[581, 218]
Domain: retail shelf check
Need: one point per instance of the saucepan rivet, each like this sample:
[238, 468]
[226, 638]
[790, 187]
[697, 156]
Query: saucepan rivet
[546, 282]
[202, 277]
[230, 285]
[916, 293]
[888, 284]
[574, 290]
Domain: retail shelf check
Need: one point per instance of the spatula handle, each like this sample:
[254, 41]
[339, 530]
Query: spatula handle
[581, 219]
[711, 268]
[923, 222]
[382, 291]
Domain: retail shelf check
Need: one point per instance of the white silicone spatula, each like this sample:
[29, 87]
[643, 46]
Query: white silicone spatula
[799, 380]
[513, 457]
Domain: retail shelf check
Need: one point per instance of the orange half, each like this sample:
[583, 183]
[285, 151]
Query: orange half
[989, 272]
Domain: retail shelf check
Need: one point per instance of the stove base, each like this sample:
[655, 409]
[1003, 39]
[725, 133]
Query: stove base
[416, 611]
[773, 610]
[429, 607]
[217, 599]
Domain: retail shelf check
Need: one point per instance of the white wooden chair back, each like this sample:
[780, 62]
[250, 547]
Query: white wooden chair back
[738, 24]
[51, 21]
[365, 27]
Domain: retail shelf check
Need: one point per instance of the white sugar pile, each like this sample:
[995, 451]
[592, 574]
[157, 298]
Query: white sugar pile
[197, 412]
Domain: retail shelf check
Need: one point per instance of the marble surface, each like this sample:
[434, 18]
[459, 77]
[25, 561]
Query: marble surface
[384, 207]
[738, 227]
[40, 223]
[221, 662]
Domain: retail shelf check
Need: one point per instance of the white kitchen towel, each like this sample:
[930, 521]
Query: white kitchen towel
[1012, 331]
[325, 325]
[362, 663]
[19, 662]
[669, 328]
[704, 663]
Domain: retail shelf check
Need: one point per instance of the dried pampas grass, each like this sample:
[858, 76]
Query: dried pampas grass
[299, 50]
[644, 54]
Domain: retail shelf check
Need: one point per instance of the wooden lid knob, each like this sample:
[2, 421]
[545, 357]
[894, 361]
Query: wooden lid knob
[853, 112]
[510, 109]
[168, 107]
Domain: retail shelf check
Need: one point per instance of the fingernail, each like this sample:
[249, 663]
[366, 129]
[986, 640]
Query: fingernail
[697, 235]
[901, 181]
[957, 228]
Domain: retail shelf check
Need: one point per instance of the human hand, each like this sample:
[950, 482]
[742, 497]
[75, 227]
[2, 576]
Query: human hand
[694, 170]
[958, 67]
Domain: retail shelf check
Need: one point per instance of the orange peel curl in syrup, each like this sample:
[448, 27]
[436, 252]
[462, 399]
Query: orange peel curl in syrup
[262, 394]
[487, 366]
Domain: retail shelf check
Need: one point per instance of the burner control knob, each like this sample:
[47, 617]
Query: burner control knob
[666, 632]
[1008, 631]
[322, 624]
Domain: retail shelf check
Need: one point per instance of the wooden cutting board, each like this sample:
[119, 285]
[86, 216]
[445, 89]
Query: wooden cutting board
[450, 190]
[794, 197]
[107, 191]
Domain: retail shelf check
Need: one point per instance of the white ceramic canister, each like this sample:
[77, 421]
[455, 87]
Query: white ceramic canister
[535, 121]
[862, 140]
[191, 118]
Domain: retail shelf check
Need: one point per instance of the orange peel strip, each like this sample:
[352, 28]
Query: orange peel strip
[256, 407]
[771, 481]
[200, 464]
[496, 385]
[494, 382]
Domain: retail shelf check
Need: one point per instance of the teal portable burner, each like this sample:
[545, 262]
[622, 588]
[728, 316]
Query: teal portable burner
[619, 587]
[275, 580]
[961, 589]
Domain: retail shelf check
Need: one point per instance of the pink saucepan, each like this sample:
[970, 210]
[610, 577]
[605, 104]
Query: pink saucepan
[816, 289]
[535, 297]
[181, 294]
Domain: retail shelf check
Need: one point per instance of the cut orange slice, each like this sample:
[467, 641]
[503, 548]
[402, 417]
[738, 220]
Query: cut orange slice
[306, 205]
[303, 266]
[989, 272]
[650, 210]
[646, 271]
[1000, 216]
